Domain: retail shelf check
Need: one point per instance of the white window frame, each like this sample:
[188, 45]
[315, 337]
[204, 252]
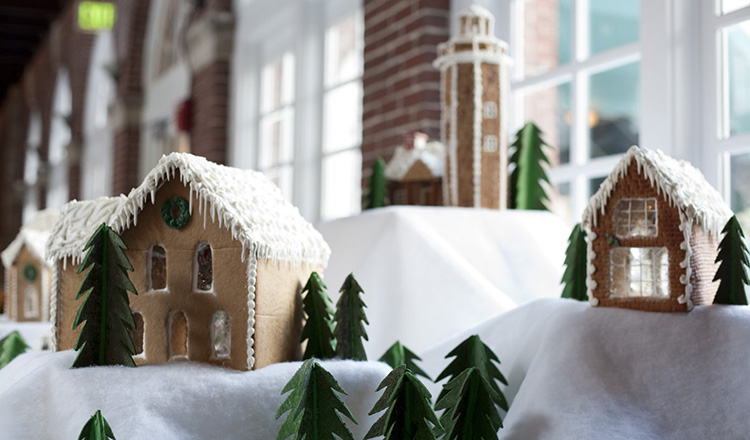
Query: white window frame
[58, 171]
[31, 166]
[270, 28]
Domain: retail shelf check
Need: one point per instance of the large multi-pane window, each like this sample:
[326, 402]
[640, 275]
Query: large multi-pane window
[577, 76]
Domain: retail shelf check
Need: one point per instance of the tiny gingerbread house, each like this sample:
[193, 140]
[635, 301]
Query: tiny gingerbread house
[652, 231]
[27, 272]
[415, 172]
[219, 260]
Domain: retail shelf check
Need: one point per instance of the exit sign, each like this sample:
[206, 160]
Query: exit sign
[96, 16]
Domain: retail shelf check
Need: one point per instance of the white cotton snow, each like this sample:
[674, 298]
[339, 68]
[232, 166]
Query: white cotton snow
[431, 272]
[41, 397]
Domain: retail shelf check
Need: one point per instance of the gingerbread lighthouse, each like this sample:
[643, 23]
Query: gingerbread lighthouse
[474, 92]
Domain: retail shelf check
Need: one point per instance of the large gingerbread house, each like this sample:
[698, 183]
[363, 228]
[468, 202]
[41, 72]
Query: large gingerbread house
[219, 256]
[652, 232]
[27, 272]
[415, 172]
[474, 87]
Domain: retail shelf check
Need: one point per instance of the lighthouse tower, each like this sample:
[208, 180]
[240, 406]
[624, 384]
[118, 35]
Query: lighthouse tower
[474, 93]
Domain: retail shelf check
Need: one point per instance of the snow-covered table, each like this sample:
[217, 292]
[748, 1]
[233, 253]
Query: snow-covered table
[34, 333]
[432, 272]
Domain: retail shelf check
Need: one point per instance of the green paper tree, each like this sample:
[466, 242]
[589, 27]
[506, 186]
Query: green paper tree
[473, 353]
[470, 411]
[732, 272]
[574, 277]
[377, 186]
[398, 355]
[314, 406]
[11, 347]
[526, 180]
[350, 321]
[408, 409]
[105, 314]
[96, 428]
[318, 330]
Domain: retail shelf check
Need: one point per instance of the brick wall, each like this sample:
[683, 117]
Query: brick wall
[401, 88]
[210, 116]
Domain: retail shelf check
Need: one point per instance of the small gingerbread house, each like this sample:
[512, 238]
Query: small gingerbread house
[652, 231]
[27, 272]
[219, 260]
[415, 172]
[474, 90]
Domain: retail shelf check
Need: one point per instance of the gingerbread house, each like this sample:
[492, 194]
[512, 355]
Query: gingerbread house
[652, 231]
[474, 86]
[27, 272]
[415, 172]
[219, 260]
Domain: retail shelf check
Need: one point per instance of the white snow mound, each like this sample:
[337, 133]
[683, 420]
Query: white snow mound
[42, 398]
[577, 372]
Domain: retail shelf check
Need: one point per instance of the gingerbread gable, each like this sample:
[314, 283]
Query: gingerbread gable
[34, 236]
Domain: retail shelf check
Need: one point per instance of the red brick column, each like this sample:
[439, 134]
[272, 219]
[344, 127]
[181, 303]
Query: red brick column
[401, 88]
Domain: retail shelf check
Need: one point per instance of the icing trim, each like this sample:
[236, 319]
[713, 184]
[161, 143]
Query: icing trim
[54, 306]
[252, 274]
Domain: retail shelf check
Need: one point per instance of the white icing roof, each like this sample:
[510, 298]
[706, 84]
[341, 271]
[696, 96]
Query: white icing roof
[680, 183]
[34, 235]
[244, 201]
[432, 154]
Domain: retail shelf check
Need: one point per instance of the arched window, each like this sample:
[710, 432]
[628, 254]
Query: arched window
[178, 335]
[204, 268]
[157, 270]
[138, 334]
[221, 335]
[31, 302]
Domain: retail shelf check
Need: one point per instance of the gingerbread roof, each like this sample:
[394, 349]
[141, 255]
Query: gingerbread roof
[244, 201]
[33, 235]
[431, 154]
[680, 183]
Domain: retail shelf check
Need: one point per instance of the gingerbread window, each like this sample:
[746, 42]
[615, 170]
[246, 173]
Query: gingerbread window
[636, 218]
[31, 302]
[203, 268]
[138, 334]
[157, 268]
[221, 335]
[178, 335]
[639, 272]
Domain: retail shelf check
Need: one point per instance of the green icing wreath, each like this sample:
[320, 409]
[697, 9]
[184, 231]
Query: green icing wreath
[175, 212]
[29, 272]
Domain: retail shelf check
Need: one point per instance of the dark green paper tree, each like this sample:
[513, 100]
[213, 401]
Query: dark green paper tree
[350, 321]
[96, 428]
[314, 406]
[408, 409]
[526, 180]
[398, 355]
[318, 330]
[470, 411]
[732, 272]
[574, 277]
[11, 347]
[473, 353]
[105, 338]
[377, 186]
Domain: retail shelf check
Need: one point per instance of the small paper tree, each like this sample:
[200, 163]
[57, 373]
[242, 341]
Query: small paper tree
[408, 409]
[732, 272]
[314, 407]
[377, 186]
[470, 411]
[96, 428]
[398, 355]
[11, 347]
[105, 314]
[318, 330]
[473, 353]
[350, 321]
[526, 187]
[574, 277]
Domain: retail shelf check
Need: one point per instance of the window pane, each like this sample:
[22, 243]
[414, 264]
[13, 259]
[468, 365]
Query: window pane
[277, 131]
[204, 268]
[613, 111]
[178, 335]
[594, 185]
[282, 177]
[343, 117]
[277, 83]
[740, 187]
[562, 204]
[221, 335]
[137, 333]
[737, 74]
[344, 47]
[546, 35]
[158, 269]
[639, 272]
[612, 24]
[342, 177]
[728, 6]
[549, 109]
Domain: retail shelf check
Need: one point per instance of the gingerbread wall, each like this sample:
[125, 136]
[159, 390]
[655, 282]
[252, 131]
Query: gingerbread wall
[703, 267]
[21, 284]
[633, 185]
